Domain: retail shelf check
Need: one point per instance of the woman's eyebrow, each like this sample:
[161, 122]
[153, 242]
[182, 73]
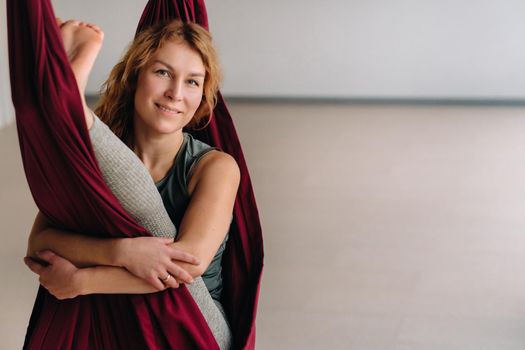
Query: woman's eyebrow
[202, 75]
[164, 63]
[193, 74]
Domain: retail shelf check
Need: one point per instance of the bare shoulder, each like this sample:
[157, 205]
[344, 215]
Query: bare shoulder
[216, 168]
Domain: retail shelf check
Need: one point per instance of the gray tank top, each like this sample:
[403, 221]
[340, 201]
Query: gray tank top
[173, 189]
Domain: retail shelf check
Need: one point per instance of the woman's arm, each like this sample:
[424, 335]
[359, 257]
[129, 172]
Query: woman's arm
[204, 226]
[213, 188]
[64, 280]
[80, 249]
[85, 251]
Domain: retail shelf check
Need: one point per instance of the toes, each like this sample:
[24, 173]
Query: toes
[71, 22]
[95, 28]
[73, 25]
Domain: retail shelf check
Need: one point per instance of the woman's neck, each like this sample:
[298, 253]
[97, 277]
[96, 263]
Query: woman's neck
[158, 152]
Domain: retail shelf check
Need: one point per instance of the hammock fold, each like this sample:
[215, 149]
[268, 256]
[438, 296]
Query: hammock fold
[68, 188]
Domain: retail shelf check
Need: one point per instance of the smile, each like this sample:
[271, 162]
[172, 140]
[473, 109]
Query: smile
[167, 109]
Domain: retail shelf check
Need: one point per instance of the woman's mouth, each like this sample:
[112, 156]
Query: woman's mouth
[167, 109]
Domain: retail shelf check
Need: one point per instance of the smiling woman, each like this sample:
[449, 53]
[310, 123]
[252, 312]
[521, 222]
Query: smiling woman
[169, 90]
[198, 184]
[196, 65]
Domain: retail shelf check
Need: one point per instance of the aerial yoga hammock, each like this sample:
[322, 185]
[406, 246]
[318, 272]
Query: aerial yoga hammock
[61, 168]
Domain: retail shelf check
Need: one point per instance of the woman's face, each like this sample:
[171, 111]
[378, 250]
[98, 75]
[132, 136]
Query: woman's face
[169, 89]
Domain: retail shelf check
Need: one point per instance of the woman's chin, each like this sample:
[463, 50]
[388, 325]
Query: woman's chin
[160, 129]
[160, 124]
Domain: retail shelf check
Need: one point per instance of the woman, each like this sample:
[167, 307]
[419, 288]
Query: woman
[166, 81]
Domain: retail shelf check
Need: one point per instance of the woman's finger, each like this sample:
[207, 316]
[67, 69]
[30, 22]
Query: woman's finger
[180, 274]
[47, 255]
[34, 266]
[181, 255]
[165, 240]
[170, 281]
[157, 283]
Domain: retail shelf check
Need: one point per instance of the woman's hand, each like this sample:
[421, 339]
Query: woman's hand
[154, 260]
[60, 277]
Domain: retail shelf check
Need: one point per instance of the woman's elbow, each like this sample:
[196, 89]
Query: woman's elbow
[34, 240]
[196, 270]
[31, 244]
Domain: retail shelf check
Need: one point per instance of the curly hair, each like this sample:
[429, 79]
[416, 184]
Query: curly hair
[116, 104]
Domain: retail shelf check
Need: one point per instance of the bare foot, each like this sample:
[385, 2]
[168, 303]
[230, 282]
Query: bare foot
[82, 43]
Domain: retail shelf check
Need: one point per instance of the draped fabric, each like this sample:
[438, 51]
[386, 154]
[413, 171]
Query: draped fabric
[68, 188]
[243, 259]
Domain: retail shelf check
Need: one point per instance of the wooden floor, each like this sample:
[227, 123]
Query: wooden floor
[386, 227]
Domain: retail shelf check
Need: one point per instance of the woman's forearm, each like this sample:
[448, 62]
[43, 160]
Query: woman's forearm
[147, 258]
[111, 280]
[64, 280]
[81, 250]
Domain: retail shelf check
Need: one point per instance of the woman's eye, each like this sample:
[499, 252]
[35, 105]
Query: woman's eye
[162, 72]
[193, 82]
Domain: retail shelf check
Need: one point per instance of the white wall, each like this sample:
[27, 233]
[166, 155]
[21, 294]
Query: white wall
[374, 48]
[331, 48]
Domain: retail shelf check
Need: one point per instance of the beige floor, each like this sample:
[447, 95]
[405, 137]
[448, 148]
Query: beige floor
[386, 227]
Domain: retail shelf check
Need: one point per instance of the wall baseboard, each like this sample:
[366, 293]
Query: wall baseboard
[396, 101]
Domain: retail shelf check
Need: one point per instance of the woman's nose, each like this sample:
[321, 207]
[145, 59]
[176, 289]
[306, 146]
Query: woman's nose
[174, 91]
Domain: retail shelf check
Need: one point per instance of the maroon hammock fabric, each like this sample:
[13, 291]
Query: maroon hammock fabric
[68, 188]
[243, 258]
